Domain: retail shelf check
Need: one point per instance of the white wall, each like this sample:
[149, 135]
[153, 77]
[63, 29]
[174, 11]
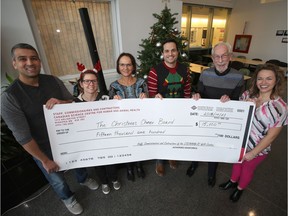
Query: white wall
[136, 19]
[263, 20]
[15, 28]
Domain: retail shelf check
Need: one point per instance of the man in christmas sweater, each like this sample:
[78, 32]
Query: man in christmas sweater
[169, 79]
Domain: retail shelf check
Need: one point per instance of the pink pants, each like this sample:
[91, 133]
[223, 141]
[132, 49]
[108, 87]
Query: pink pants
[243, 172]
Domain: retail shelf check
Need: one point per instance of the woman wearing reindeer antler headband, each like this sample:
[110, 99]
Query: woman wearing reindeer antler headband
[88, 85]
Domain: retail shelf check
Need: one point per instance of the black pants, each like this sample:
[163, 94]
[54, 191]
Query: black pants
[212, 167]
[132, 164]
[107, 173]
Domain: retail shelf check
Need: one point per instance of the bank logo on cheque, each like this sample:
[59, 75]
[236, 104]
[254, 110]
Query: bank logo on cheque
[194, 107]
[203, 108]
[194, 113]
[200, 108]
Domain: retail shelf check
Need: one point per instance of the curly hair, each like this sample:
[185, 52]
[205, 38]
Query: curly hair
[278, 89]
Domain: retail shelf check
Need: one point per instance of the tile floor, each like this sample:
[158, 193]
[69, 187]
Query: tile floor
[176, 193]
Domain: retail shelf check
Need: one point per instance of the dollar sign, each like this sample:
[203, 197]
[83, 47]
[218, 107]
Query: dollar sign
[196, 124]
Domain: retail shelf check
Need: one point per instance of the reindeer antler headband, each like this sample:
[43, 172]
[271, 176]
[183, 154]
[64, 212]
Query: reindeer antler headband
[83, 69]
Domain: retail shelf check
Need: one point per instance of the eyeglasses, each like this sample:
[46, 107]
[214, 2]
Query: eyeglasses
[223, 57]
[125, 65]
[87, 82]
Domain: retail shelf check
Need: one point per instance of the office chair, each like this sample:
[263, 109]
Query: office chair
[236, 65]
[245, 71]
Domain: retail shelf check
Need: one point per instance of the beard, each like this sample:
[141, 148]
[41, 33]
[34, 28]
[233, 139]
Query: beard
[221, 68]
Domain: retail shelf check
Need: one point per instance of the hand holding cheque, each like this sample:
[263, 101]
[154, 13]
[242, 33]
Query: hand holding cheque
[120, 131]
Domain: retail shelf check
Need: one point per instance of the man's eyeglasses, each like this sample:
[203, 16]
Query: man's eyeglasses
[87, 82]
[223, 57]
[125, 65]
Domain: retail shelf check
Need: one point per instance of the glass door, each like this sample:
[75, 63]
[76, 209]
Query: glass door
[194, 25]
[204, 26]
[220, 17]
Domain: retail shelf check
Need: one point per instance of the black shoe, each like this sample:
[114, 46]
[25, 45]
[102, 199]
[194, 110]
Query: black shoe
[191, 170]
[235, 196]
[140, 171]
[130, 175]
[227, 185]
[211, 181]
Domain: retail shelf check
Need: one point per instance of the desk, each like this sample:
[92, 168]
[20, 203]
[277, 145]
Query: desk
[253, 62]
[248, 61]
[197, 68]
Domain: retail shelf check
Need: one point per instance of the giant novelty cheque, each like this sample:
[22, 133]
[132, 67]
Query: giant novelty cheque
[121, 131]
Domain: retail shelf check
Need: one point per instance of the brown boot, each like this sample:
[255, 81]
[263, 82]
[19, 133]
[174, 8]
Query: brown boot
[160, 169]
[173, 164]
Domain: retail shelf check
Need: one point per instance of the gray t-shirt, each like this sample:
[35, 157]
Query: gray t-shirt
[22, 109]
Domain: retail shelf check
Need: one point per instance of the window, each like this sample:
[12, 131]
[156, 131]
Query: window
[204, 26]
[60, 33]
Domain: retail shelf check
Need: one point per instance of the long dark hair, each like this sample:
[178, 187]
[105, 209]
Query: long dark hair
[279, 86]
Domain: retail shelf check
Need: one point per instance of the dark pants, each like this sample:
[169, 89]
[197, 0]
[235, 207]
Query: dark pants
[131, 165]
[212, 167]
[107, 173]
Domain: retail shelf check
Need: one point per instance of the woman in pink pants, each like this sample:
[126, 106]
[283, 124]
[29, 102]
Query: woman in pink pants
[269, 118]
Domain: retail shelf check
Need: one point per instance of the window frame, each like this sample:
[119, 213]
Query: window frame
[116, 36]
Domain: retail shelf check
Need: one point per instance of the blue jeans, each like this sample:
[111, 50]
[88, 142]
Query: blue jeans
[59, 184]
